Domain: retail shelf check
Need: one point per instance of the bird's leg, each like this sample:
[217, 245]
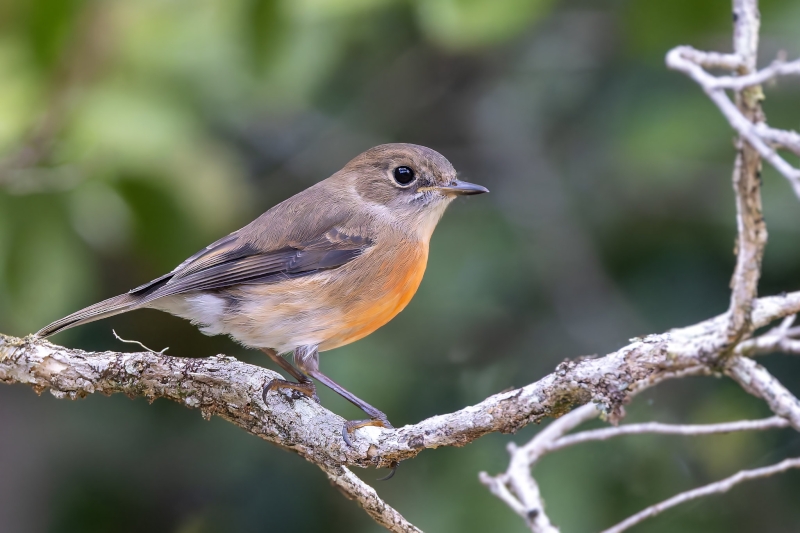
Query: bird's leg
[303, 385]
[307, 359]
[377, 418]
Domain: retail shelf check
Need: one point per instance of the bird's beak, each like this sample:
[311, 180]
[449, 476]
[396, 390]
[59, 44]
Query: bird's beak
[463, 188]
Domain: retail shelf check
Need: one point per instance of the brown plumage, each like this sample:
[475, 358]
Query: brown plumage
[324, 268]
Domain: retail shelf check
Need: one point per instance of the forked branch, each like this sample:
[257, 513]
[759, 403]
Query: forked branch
[718, 487]
[726, 350]
[231, 389]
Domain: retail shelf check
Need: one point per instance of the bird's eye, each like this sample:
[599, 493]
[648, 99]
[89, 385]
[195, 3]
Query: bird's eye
[403, 175]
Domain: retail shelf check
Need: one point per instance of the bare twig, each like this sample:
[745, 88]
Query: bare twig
[712, 59]
[691, 62]
[718, 487]
[739, 83]
[497, 485]
[517, 487]
[756, 380]
[751, 228]
[355, 489]
[773, 422]
[544, 441]
[779, 339]
[138, 343]
[787, 139]
[519, 490]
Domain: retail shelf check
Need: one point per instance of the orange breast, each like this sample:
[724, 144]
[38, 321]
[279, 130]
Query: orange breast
[394, 280]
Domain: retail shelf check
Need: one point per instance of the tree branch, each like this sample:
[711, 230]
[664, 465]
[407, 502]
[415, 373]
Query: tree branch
[778, 68]
[519, 490]
[231, 389]
[757, 134]
[517, 487]
[667, 429]
[751, 228]
[216, 385]
[790, 140]
[355, 489]
[779, 339]
[718, 487]
[756, 380]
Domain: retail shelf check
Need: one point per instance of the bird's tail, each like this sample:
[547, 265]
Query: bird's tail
[106, 308]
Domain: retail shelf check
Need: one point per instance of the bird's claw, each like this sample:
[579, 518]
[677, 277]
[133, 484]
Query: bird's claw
[391, 474]
[351, 425]
[306, 388]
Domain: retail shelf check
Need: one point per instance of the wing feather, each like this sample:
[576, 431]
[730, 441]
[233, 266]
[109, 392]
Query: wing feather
[306, 233]
[227, 264]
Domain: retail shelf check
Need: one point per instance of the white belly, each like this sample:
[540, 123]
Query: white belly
[263, 320]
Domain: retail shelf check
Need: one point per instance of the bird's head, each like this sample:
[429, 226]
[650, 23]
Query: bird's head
[410, 183]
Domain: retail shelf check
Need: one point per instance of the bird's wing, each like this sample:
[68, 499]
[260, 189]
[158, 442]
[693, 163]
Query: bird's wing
[307, 233]
[234, 261]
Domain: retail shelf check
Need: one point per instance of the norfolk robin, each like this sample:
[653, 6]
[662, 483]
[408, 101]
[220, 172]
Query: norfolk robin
[322, 269]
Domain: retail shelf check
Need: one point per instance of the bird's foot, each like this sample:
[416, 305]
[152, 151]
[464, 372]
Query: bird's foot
[305, 388]
[390, 475]
[351, 425]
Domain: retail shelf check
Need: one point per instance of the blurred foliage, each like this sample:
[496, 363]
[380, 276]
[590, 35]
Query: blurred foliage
[134, 133]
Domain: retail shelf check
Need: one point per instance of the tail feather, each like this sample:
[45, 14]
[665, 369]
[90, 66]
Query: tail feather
[106, 308]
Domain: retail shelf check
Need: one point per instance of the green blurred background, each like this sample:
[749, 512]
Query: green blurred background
[134, 133]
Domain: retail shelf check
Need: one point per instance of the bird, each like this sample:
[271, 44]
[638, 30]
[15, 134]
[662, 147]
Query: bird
[320, 270]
